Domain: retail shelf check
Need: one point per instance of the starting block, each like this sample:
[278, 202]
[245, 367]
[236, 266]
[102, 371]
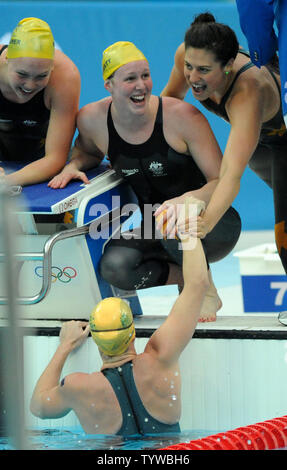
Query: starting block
[57, 274]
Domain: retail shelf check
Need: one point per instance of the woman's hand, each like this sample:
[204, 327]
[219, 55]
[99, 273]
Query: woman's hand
[166, 216]
[62, 179]
[196, 227]
[74, 333]
[171, 219]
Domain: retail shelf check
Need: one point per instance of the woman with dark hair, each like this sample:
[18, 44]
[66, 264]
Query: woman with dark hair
[225, 81]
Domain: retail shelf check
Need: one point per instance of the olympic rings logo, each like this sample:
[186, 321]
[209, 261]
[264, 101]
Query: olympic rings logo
[64, 275]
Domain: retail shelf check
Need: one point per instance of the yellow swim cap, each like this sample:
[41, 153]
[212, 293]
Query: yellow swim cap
[32, 37]
[118, 54]
[112, 326]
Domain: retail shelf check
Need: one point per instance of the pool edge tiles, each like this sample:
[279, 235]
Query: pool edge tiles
[225, 327]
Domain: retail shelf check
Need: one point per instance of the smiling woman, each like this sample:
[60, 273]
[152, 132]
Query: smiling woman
[226, 82]
[39, 97]
[165, 150]
[136, 82]
[27, 76]
[209, 57]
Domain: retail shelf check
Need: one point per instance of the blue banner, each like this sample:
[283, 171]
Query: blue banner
[264, 293]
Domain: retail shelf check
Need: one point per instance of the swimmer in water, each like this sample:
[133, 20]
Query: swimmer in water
[132, 393]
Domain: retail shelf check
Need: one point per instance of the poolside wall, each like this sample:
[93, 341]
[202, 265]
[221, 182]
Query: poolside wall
[84, 29]
[226, 383]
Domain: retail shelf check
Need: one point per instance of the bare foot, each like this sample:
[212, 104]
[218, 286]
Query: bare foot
[211, 304]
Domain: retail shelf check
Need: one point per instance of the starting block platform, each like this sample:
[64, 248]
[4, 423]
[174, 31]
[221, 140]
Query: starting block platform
[57, 275]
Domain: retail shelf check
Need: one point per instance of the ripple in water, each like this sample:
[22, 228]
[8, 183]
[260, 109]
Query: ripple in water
[76, 439]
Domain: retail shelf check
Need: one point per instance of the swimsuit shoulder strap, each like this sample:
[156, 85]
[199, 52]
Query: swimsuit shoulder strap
[3, 49]
[240, 71]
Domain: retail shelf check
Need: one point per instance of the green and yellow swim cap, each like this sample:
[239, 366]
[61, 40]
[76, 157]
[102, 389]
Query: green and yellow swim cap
[32, 37]
[112, 326]
[118, 54]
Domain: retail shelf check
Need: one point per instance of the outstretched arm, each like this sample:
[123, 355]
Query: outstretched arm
[48, 400]
[245, 117]
[170, 339]
[193, 129]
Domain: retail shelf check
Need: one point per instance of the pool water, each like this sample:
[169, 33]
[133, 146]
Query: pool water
[76, 439]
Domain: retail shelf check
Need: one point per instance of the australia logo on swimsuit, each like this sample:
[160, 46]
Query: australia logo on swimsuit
[157, 169]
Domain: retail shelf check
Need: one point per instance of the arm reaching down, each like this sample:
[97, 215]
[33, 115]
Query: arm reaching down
[245, 111]
[174, 334]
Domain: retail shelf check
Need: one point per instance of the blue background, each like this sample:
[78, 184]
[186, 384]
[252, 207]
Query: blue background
[83, 29]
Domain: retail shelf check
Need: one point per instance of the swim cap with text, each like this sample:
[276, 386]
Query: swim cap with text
[32, 37]
[118, 54]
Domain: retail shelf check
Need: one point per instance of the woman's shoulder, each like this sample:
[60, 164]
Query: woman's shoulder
[179, 107]
[247, 75]
[64, 67]
[65, 81]
[182, 118]
[100, 106]
[93, 114]
[179, 55]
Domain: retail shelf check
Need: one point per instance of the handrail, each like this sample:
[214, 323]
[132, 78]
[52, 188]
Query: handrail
[46, 256]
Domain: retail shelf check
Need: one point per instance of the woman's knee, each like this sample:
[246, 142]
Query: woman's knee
[261, 163]
[223, 238]
[117, 266]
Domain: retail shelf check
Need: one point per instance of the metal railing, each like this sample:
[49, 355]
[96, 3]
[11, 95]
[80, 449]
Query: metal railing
[46, 257]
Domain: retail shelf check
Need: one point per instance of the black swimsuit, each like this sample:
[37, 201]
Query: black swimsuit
[269, 160]
[23, 128]
[156, 172]
[275, 123]
[136, 419]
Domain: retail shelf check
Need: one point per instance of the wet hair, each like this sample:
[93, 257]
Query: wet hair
[218, 38]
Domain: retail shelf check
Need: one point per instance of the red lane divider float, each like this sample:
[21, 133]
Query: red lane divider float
[271, 434]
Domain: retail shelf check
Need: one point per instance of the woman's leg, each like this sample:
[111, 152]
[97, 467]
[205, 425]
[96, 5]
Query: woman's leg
[279, 183]
[135, 263]
[269, 162]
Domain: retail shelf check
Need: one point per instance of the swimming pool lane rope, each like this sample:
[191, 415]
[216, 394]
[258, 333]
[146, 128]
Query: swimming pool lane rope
[270, 434]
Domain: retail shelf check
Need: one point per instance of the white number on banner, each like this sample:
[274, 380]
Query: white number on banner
[282, 289]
